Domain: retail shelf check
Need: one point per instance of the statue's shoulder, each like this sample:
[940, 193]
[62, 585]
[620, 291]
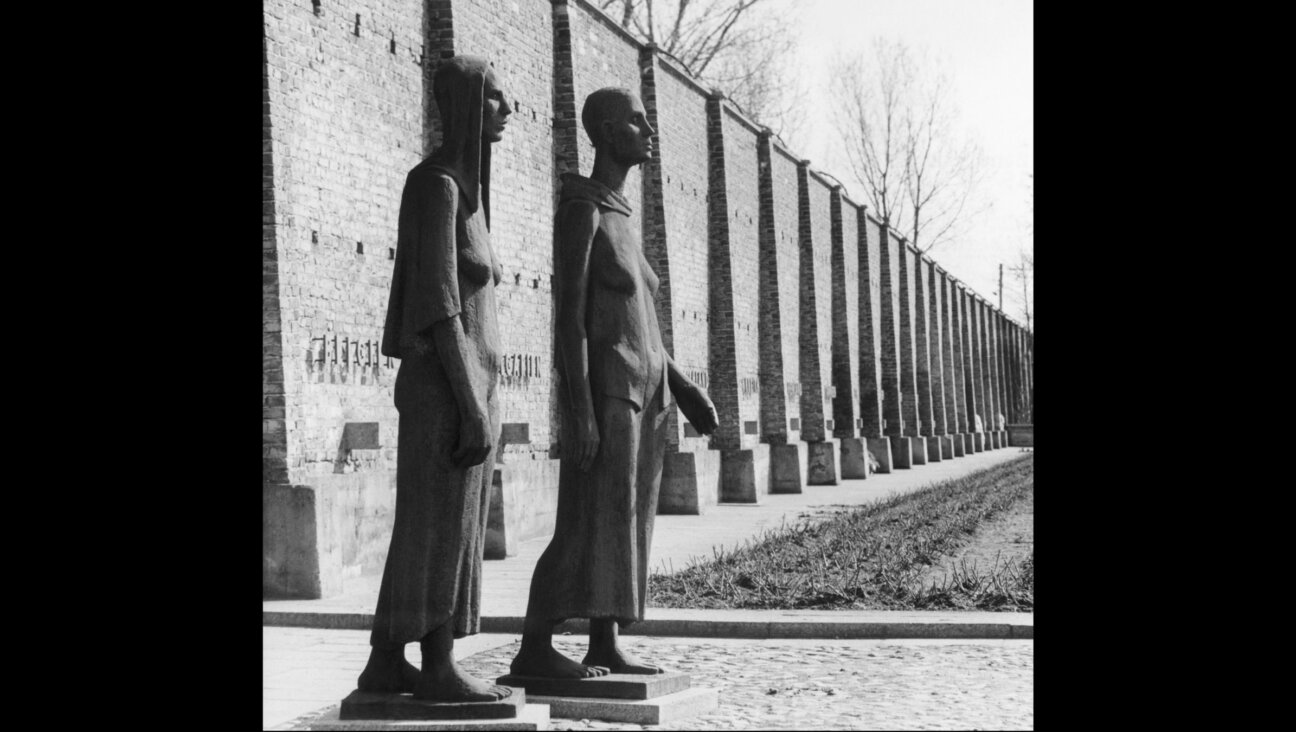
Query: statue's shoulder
[578, 188]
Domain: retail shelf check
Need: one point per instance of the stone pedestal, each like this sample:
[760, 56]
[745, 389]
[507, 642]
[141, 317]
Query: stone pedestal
[634, 698]
[934, 449]
[821, 462]
[881, 449]
[854, 459]
[901, 452]
[524, 497]
[960, 444]
[1021, 435]
[690, 482]
[788, 466]
[947, 447]
[1003, 438]
[918, 444]
[373, 711]
[978, 442]
[745, 474]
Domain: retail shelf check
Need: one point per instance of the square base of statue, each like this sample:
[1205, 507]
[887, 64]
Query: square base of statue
[854, 458]
[531, 717]
[918, 444]
[658, 710]
[744, 474]
[978, 442]
[901, 452]
[960, 444]
[934, 449]
[947, 447]
[690, 482]
[373, 705]
[788, 467]
[881, 449]
[612, 686]
[821, 462]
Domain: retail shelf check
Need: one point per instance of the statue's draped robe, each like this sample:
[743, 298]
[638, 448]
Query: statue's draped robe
[445, 268]
[596, 565]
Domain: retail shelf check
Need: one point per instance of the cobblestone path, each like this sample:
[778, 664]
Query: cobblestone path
[831, 684]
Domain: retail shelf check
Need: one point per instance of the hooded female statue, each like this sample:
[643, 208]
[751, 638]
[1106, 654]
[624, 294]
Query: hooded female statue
[441, 325]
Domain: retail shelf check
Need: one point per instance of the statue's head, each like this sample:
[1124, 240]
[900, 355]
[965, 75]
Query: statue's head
[473, 112]
[617, 125]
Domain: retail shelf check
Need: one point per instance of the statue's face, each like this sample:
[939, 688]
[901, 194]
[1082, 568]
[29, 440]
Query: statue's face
[627, 133]
[495, 110]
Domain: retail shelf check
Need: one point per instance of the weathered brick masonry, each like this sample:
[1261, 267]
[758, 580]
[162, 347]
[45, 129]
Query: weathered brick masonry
[777, 290]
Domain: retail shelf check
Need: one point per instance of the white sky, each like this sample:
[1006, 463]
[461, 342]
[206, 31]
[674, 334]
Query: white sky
[987, 49]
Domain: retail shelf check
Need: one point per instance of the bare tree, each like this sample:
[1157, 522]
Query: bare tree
[1024, 271]
[899, 128]
[738, 46]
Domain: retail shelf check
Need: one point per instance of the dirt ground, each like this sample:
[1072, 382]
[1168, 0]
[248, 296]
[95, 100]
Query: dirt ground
[1008, 537]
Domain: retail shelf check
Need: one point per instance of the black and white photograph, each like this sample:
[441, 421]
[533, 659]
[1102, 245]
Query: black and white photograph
[648, 364]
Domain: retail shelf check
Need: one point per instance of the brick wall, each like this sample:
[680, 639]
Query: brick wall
[908, 367]
[780, 260]
[524, 188]
[845, 313]
[872, 333]
[815, 342]
[893, 417]
[922, 343]
[346, 121]
[673, 240]
[735, 284]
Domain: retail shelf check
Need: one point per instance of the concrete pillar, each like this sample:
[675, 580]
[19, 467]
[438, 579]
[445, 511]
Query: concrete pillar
[845, 314]
[780, 366]
[923, 317]
[949, 385]
[733, 226]
[971, 376]
[908, 349]
[893, 418]
[871, 338]
[940, 361]
[815, 336]
[983, 362]
[953, 305]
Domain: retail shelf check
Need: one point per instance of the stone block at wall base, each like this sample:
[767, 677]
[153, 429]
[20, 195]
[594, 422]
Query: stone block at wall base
[960, 444]
[1021, 435]
[690, 482]
[854, 458]
[978, 442]
[918, 445]
[315, 536]
[991, 441]
[947, 447]
[822, 459]
[1003, 438]
[524, 503]
[933, 448]
[901, 452]
[881, 449]
[745, 474]
[788, 465]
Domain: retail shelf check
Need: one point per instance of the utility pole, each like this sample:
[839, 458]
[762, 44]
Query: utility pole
[1001, 287]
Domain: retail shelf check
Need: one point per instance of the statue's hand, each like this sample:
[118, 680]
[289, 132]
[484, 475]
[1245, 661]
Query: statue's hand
[697, 406]
[474, 439]
[585, 443]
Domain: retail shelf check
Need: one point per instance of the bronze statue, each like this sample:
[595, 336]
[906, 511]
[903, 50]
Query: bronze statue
[616, 375]
[441, 324]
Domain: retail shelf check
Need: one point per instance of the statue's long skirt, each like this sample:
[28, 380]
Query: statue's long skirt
[434, 564]
[596, 565]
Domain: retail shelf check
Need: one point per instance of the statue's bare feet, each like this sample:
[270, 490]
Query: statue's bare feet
[550, 664]
[620, 662]
[388, 673]
[450, 683]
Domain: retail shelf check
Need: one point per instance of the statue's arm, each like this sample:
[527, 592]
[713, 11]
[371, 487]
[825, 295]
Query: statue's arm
[577, 223]
[692, 399]
[439, 269]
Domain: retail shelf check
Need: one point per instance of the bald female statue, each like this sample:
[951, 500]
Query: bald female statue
[618, 380]
[441, 324]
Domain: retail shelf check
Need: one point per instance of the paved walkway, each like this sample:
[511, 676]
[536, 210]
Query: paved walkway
[891, 680]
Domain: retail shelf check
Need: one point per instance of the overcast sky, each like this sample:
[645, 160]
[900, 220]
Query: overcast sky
[987, 47]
